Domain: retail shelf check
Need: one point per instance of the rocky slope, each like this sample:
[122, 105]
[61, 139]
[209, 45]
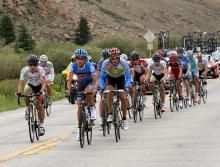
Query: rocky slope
[57, 19]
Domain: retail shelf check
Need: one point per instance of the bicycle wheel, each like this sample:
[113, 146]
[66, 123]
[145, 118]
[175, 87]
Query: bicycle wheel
[176, 103]
[104, 126]
[82, 125]
[89, 132]
[129, 106]
[135, 113]
[48, 105]
[36, 124]
[171, 100]
[72, 97]
[141, 108]
[31, 123]
[116, 124]
[185, 102]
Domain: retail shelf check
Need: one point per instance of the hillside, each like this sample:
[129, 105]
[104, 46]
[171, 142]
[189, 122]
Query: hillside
[57, 19]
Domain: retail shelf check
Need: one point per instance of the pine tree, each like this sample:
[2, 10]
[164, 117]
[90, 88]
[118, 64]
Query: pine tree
[7, 30]
[25, 40]
[83, 34]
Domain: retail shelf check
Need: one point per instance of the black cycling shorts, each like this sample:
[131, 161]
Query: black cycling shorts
[35, 89]
[118, 83]
[137, 76]
[158, 77]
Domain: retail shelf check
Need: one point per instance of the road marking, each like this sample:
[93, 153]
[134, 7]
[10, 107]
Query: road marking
[39, 147]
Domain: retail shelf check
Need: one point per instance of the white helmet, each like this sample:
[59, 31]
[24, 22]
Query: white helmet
[123, 56]
[43, 58]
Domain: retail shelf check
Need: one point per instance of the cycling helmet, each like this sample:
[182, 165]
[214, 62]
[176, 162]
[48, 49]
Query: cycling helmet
[180, 50]
[32, 60]
[135, 55]
[105, 53]
[114, 52]
[161, 53]
[81, 53]
[156, 57]
[172, 57]
[123, 56]
[43, 58]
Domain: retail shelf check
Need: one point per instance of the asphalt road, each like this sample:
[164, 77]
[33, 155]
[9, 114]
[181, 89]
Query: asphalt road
[189, 138]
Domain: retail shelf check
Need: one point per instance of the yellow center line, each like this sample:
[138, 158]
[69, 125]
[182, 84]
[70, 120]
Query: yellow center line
[39, 147]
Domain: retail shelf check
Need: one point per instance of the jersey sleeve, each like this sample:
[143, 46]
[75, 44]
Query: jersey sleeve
[22, 74]
[92, 69]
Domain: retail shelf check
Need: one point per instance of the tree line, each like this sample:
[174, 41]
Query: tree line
[25, 41]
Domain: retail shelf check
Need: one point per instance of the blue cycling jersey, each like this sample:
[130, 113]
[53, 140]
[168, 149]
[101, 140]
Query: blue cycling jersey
[184, 61]
[99, 65]
[114, 71]
[193, 65]
[85, 73]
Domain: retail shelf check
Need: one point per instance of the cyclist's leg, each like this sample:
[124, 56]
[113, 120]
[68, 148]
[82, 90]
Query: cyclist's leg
[152, 84]
[27, 91]
[110, 82]
[90, 99]
[142, 80]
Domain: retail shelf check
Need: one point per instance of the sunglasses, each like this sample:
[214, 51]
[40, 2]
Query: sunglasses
[79, 58]
[115, 58]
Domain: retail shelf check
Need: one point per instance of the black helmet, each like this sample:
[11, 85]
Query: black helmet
[105, 53]
[135, 55]
[180, 50]
[32, 60]
[156, 57]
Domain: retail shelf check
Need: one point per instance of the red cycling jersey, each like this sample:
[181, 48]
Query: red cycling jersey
[140, 67]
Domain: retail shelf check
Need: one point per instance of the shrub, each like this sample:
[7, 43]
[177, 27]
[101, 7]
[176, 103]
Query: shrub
[7, 30]
[83, 34]
[25, 40]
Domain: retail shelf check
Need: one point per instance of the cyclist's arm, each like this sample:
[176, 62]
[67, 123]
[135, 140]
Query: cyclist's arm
[146, 72]
[188, 68]
[20, 86]
[102, 80]
[51, 74]
[180, 71]
[149, 74]
[165, 71]
[69, 83]
[206, 69]
[132, 73]
[128, 79]
[97, 78]
[43, 84]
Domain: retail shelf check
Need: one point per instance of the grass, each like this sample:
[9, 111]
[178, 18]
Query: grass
[60, 54]
[8, 100]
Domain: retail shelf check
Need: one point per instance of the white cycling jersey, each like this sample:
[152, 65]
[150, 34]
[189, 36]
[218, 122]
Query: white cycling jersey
[49, 70]
[32, 78]
[157, 69]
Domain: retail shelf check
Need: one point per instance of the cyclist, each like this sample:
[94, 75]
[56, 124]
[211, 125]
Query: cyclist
[202, 65]
[49, 71]
[115, 73]
[89, 58]
[66, 72]
[184, 59]
[175, 72]
[195, 74]
[139, 73]
[85, 72]
[35, 82]
[105, 55]
[158, 71]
